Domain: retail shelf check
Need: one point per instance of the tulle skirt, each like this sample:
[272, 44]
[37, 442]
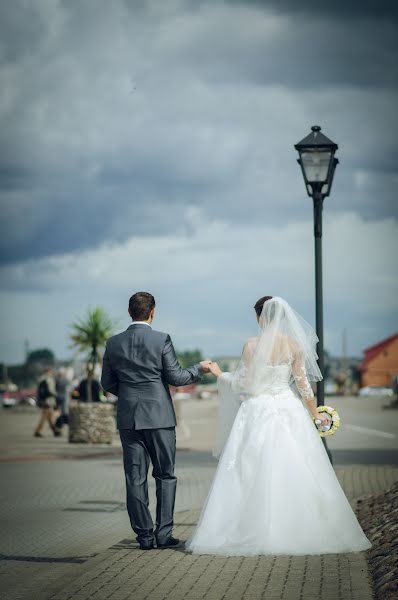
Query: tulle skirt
[275, 491]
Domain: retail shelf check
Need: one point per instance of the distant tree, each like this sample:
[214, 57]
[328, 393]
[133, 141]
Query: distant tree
[89, 334]
[17, 373]
[208, 379]
[26, 374]
[41, 355]
[3, 373]
[188, 358]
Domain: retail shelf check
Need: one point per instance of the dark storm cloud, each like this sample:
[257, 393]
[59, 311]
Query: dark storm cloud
[337, 9]
[16, 177]
[309, 51]
[133, 118]
[22, 27]
[328, 43]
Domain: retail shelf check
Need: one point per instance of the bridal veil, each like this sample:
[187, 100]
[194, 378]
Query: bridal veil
[284, 338]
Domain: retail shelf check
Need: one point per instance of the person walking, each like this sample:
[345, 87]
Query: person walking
[138, 366]
[89, 388]
[62, 388]
[46, 401]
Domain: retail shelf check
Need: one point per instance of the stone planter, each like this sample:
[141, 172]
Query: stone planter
[91, 423]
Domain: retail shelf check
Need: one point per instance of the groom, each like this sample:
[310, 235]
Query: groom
[138, 366]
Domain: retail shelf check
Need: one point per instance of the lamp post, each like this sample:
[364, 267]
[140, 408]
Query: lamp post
[318, 164]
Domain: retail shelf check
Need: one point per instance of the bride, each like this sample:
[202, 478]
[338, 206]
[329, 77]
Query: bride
[274, 491]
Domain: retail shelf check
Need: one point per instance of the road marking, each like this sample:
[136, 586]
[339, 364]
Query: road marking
[375, 432]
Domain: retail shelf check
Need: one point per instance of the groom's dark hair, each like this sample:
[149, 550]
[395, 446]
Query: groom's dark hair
[258, 307]
[140, 305]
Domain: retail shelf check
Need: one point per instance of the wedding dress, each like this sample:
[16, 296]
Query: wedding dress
[274, 491]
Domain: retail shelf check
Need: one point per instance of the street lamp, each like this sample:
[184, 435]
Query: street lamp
[318, 164]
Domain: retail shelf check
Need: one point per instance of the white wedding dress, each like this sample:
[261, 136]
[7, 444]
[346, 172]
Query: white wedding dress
[275, 491]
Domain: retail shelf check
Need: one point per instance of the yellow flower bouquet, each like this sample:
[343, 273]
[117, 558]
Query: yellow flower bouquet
[334, 423]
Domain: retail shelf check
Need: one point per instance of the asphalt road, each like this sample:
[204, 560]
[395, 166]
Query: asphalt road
[368, 433]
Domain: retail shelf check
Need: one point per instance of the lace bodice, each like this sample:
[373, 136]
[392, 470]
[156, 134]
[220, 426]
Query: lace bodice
[273, 379]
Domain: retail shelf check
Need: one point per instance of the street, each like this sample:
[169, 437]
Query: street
[368, 433]
[62, 504]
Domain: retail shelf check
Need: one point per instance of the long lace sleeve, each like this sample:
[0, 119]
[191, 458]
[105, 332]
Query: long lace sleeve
[300, 377]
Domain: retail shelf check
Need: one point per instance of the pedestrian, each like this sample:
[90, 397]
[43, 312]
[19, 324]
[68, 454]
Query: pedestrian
[62, 389]
[46, 401]
[89, 388]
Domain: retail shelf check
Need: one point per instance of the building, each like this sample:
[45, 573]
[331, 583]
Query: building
[380, 363]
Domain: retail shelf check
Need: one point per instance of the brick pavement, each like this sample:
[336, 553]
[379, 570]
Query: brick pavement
[123, 571]
[61, 533]
[73, 510]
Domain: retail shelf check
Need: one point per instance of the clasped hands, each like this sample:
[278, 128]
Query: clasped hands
[208, 366]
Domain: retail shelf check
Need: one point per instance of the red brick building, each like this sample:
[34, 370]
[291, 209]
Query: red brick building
[380, 363]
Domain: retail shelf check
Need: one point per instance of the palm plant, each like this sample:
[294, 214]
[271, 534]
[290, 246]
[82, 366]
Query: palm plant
[90, 334]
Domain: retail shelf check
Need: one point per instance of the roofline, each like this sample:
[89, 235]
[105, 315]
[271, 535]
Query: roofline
[382, 342]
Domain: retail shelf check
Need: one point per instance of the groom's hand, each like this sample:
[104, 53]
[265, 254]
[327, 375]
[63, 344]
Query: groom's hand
[205, 364]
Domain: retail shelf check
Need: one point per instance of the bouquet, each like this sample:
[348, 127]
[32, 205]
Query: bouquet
[334, 422]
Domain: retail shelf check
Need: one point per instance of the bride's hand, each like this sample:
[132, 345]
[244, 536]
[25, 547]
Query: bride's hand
[324, 419]
[215, 369]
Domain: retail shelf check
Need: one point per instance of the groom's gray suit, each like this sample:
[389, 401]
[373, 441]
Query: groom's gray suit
[138, 366]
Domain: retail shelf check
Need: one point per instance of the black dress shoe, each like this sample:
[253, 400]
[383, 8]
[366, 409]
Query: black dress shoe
[169, 543]
[38, 434]
[57, 432]
[147, 546]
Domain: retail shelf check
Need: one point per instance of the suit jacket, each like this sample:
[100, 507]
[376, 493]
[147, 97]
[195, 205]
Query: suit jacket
[138, 366]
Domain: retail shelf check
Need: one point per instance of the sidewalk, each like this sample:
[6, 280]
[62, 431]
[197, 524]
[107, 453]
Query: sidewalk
[17, 443]
[65, 531]
[123, 571]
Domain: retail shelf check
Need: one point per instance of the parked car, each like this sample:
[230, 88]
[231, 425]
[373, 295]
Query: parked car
[375, 390]
[12, 398]
[8, 400]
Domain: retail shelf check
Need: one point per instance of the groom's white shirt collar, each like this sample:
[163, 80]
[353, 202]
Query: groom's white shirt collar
[140, 323]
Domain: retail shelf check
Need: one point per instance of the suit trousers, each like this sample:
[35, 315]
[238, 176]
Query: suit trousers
[140, 447]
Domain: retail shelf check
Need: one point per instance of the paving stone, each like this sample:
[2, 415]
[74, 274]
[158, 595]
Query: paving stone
[87, 502]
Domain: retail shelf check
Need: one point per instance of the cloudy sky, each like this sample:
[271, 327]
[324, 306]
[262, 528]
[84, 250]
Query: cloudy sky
[148, 145]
